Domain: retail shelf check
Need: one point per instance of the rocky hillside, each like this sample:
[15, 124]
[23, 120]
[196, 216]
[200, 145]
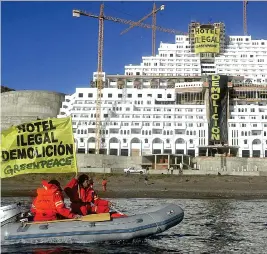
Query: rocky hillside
[6, 89]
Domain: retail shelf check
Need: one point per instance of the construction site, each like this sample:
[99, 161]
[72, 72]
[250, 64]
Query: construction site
[194, 93]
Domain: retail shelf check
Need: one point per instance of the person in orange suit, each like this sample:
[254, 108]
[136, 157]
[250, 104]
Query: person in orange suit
[100, 205]
[81, 194]
[104, 184]
[103, 206]
[49, 203]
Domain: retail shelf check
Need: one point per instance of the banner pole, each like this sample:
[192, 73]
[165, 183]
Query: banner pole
[77, 179]
[76, 174]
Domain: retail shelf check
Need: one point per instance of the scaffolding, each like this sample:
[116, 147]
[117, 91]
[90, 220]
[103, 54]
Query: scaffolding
[191, 98]
[124, 94]
[249, 94]
[103, 130]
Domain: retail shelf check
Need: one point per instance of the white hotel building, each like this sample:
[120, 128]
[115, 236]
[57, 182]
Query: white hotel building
[161, 105]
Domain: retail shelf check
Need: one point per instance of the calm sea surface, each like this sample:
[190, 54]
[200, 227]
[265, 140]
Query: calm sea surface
[209, 226]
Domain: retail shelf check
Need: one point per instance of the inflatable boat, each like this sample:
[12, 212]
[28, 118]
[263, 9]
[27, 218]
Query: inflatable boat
[149, 222]
[9, 213]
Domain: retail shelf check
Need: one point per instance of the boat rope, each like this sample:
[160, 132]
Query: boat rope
[158, 228]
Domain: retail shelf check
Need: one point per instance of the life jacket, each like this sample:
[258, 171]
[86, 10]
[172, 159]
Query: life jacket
[49, 203]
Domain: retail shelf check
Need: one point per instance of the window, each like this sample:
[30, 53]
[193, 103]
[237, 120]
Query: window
[110, 95]
[159, 95]
[119, 95]
[81, 140]
[90, 95]
[80, 95]
[169, 95]
[146, 140]
[149, 95]
[129, 95]
[139, 95]
[245, 141]
[124, 140]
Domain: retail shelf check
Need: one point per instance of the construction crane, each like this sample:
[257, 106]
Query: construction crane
[153, 14]
[245, 2]
[101, 18]
[99, 81]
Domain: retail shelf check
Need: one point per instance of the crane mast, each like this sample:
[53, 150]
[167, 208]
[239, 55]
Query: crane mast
[154, 20]
[245, 2]
[99, 78]
[153, 13]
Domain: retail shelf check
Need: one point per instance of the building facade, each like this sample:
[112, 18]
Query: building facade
[163, 104]
[172, 117]
[238, 56]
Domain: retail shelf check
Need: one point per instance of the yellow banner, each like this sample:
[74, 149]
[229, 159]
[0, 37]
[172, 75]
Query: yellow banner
[207, 40]
[43, 146]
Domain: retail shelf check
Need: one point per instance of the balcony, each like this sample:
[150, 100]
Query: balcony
[164, 102]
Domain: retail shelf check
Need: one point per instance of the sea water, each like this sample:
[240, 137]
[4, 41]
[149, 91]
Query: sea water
[209, 226]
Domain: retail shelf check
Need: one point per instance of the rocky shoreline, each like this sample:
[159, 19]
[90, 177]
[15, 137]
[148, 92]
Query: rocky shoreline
[159, 186]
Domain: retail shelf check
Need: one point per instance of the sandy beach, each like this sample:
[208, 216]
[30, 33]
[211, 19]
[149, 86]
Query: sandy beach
[159, 186]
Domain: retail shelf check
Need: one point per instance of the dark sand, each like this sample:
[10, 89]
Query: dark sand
[159, 186]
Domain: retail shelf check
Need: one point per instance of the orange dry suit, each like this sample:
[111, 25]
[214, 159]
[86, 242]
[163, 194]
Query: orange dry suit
[100, 206]
[80, 205]
[104, 185]
[49, 203]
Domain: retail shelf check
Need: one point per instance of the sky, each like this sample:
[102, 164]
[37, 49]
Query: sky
[44, 48]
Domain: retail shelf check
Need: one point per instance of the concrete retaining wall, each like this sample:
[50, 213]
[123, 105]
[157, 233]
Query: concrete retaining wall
[232, 165]
[205, 165]
[95, 170]
[23, 106]
[107, 161]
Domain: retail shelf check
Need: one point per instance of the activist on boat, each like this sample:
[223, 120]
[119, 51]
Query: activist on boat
[47, 146]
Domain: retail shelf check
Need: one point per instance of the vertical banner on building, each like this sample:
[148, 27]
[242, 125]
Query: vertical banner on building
[218, 129]
[42, 146]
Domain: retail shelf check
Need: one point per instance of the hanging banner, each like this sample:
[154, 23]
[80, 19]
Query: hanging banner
[42, 146]
[218, 129]
[207, 40]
